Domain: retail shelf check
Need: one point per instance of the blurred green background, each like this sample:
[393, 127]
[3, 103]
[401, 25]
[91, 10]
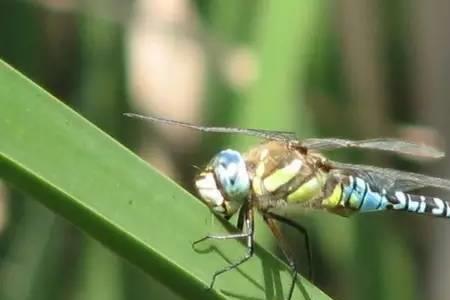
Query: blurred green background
[352, 68]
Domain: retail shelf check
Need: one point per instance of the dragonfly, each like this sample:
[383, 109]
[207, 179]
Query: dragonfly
[284, 174]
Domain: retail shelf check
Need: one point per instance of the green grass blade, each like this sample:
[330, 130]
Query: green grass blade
[79, 172]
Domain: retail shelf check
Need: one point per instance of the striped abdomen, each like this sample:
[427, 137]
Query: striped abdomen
[356, 194]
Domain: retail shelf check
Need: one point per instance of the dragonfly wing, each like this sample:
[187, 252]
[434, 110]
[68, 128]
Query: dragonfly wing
[282, 136]
[393, 180]
[384, 144]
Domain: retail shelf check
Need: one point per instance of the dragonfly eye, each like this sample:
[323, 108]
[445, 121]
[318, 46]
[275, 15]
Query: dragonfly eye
[225, 183]
[231, 173]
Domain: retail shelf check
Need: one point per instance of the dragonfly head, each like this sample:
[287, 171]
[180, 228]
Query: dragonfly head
[224, 185]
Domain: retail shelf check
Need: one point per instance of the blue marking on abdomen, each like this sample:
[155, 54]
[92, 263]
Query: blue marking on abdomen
[359, 196]
[347, 191]
[374, 201]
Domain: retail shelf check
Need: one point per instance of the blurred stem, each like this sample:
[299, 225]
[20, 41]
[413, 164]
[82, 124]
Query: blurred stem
[430, 68]
[363, 67]
[277, 99]
[25, 261]
[99, 276]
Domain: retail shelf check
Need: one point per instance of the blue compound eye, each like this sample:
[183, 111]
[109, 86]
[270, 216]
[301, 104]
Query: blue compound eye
[224, 185]
[232, 176]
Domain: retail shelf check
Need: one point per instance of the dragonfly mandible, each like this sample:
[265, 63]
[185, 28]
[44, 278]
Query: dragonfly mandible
[285, 173]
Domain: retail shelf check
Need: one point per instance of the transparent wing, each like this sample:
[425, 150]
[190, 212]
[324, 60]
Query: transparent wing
[283, 136]
[385, 144]
[392, 180]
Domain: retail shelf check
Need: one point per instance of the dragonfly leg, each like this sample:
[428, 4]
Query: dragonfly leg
[303, 232]
[249, 234]
[234, 265]
[222, 237]
[246, 224]
[240, 225]
[270, 217]
[242, 215]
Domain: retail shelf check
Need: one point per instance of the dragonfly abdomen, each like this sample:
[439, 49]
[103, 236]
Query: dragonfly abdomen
[419, 204]
[356, 194]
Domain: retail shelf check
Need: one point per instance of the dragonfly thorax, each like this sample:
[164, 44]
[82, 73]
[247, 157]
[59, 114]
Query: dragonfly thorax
[224, 184]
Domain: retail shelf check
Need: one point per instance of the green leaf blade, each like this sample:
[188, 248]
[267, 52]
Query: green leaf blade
[81, 173]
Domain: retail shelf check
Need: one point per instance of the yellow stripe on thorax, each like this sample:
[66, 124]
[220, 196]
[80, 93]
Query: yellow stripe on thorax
[282, 176]
[307, 190]
[257, 186]
[335, 197]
